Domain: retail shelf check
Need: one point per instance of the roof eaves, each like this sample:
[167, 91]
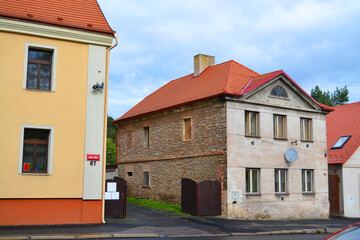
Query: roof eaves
[164, 109]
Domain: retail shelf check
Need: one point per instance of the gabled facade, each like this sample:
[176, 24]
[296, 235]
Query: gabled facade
[343, 139]
[261, 136]
[54, 72]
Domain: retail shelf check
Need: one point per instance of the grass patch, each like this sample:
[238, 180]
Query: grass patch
[156, 205]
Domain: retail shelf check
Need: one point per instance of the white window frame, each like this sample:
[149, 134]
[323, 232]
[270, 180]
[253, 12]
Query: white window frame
[304, 180]
[279, 170]
[251, 170]
[303, 129]
[50, 148]
[53, 64]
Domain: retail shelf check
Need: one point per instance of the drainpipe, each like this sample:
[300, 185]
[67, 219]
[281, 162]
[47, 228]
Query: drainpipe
[106, 89]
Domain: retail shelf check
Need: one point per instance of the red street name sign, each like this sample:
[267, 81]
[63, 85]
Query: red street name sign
[93, 157]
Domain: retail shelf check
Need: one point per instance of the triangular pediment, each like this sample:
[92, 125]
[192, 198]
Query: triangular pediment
[294, 97]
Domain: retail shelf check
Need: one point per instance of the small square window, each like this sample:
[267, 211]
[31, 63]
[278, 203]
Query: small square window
[307, 181]
[187, 131]
[305, 129]
[279, 126]
[146, 140]
[341, 142]
[130, 174]
[280, 180]
[252, 124]
[146, 180]
[40, 67]
[252, 181]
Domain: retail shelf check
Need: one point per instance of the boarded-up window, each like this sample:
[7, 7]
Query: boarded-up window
[146, 140]
[187, 129]
[146, 180]
[129, 139]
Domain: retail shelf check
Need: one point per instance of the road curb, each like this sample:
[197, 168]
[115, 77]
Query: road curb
[153, 235]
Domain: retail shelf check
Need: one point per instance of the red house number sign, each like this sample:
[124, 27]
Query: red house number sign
[93, 157]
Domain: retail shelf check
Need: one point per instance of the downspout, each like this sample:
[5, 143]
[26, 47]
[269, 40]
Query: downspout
[106, 89]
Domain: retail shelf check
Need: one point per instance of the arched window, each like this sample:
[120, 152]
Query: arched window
[279, 91]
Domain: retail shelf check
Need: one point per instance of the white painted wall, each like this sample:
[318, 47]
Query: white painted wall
[268, 154]
[94, 123]
[351, 186]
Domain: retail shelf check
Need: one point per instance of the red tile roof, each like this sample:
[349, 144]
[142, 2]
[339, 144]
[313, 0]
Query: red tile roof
[228, 78]
[75, 14]
[343, 121]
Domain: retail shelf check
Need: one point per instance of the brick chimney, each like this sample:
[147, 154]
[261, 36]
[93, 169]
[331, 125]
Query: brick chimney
[201, 62]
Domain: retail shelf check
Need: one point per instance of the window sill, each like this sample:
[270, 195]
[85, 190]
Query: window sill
[249, 136]
[282, 194]
[35, 174]
[308, 193]
[253, 194]
[282, 139]
[146, 187]
[38, 90]
[307, 141]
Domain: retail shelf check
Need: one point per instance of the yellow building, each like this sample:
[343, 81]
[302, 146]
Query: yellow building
[54, 58]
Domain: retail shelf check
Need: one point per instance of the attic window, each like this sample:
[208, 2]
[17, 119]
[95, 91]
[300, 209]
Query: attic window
[279, 91]
[341, 142]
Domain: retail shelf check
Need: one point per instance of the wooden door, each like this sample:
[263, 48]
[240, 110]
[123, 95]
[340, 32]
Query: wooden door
[115, 203]
[334, 194]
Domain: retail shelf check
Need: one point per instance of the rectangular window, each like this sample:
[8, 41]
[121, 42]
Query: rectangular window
[146, 180]
[252, 124]
[307, 181]
[279, 126]
[36, 149]
[146, 140]
[280, 180]
[305, 128]
[252, 180]
[40, 67]
[129, 139]
[187, 129]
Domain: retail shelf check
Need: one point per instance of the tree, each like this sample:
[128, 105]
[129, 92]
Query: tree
[110, 152]
[338, 97]
[110, 143]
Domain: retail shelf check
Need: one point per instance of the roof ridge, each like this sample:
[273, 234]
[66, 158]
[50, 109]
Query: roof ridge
[346, 105]
[244, 67]
[228, 77]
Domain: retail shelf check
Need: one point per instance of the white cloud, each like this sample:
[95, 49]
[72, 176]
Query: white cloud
[313, 41]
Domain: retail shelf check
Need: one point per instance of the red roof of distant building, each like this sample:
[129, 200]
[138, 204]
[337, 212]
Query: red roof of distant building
[343, 121]
[75, 14]
[228, 78]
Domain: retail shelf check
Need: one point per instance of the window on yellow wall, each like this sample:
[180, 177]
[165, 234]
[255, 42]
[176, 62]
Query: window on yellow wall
[187, 129]
[36, 149]
[252, 124]
[40, 67]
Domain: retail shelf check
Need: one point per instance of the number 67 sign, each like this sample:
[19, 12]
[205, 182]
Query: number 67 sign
[93, 158]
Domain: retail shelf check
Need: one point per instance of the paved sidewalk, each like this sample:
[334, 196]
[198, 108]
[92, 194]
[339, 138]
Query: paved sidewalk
[144, 222]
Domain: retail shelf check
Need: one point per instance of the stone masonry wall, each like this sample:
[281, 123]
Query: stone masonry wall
[169, 157]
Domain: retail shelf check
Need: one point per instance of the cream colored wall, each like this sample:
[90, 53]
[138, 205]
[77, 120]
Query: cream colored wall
[268, 154]
[351, 186]
[64, 109]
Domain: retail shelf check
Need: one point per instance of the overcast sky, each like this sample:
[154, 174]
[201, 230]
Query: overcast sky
[314, 42]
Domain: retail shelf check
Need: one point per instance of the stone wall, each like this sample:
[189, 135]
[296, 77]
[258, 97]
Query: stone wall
[168, 158]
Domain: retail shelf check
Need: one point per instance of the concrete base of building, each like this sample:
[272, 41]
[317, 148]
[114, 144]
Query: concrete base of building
[49, 211]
